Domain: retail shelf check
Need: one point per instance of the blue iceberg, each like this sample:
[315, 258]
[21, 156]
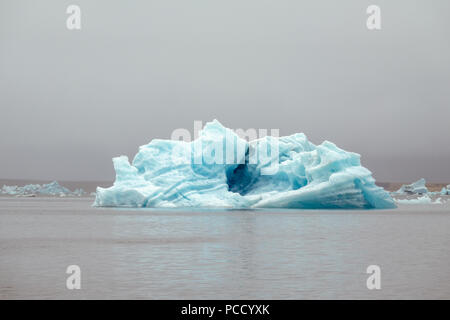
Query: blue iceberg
[221, 170]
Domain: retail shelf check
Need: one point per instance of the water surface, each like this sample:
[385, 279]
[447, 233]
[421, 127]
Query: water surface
[263, 254]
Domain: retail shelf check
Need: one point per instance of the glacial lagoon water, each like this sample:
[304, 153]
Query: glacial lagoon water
[220, 254]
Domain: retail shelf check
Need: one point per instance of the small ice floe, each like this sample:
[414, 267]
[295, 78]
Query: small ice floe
[421, 200]
[418, 187]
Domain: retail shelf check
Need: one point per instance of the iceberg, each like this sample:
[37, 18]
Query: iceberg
[221, 170]
[418, 187]
[49, 189]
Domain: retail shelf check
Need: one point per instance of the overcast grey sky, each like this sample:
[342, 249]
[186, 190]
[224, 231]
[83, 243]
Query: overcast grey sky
[71, 100]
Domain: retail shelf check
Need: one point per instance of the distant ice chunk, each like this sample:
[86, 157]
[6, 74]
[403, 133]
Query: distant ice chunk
[445, 190]
[421, 200]
[168, 173]
[418, 187]
[426, 199]
[49, 189]
[52, 188]
[10, 190]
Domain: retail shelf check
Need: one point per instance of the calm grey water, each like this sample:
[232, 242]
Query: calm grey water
[290, 254]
